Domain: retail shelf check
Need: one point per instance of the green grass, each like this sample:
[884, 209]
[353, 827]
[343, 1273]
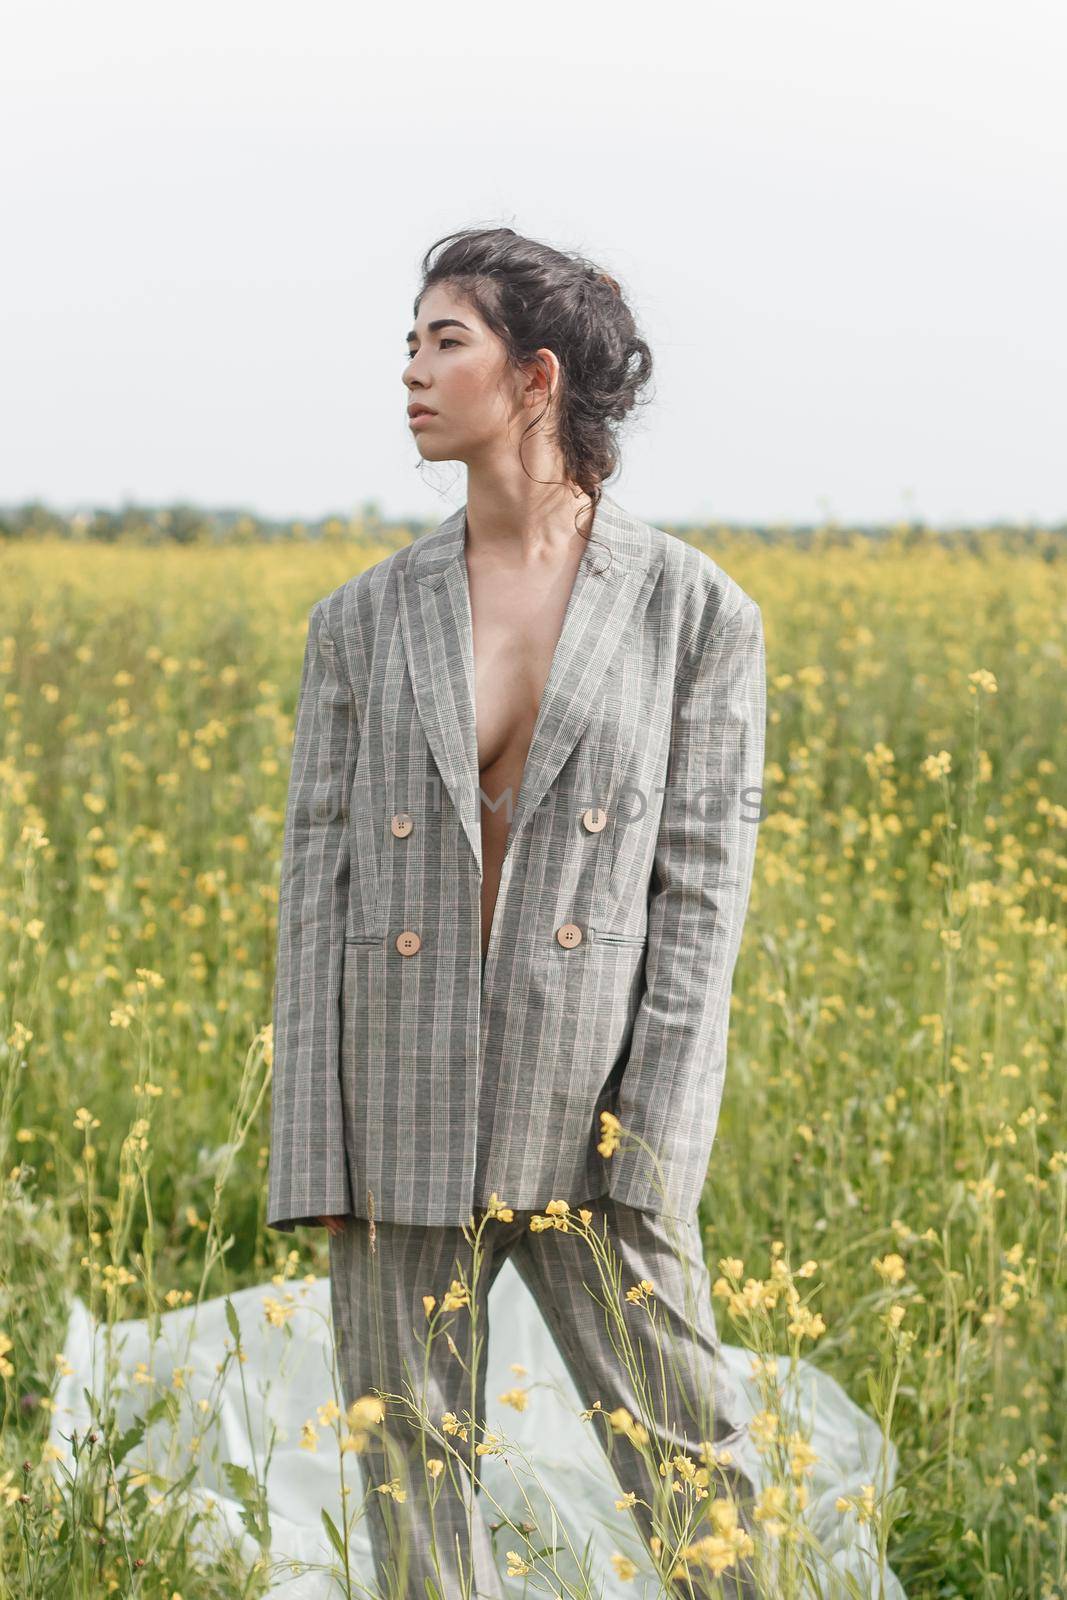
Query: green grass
[894, 1102]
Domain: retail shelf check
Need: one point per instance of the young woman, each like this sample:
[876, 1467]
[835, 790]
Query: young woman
[518, 848]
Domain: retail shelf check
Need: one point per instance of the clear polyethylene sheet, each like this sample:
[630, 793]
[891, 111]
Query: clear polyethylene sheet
[288, 1376]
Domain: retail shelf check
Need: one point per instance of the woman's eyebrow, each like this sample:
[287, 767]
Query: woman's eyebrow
[439, 322]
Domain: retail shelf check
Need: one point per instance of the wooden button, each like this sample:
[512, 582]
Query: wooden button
[570, 934]
[408, 942]
[401, 824]
[594, 819]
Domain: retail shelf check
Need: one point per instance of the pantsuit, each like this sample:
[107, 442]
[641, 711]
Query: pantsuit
[380, 1319]
[417, 1071]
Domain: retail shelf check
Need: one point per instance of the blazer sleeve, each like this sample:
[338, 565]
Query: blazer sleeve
[308, 1174]
[671, 1087]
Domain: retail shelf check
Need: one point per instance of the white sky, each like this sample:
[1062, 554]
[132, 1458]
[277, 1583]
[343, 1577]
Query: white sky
[841, 224]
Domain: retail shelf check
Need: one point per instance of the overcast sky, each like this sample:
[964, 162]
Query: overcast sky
[841, 225]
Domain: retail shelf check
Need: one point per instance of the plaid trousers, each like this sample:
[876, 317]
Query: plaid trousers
[380, 1322]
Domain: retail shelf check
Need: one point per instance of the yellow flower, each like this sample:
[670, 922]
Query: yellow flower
[890, 1268]
[496, 1209]
[366, 1412]
[610, 1128]
[640, 1293]
[450, 1423]
[763, 1429]
[982, 679]
[938, 766]
[721, 1549]
[622, 1422]
[770, 1509]
[802, 1457]
[715, 1455]
[806, 1324]
[557, 1215]
[278, 1312]
[393, 1489]
[863, 1504]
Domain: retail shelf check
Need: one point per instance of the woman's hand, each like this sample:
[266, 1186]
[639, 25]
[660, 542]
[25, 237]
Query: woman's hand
[336, 1225]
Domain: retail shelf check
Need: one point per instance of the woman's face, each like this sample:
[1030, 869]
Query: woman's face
[460, 373]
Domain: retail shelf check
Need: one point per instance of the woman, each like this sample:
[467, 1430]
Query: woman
[519, 842]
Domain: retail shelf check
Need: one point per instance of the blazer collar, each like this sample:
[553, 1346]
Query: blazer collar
[435, 611]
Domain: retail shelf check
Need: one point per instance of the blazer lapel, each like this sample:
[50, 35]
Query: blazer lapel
[435, 618]
[438, 636]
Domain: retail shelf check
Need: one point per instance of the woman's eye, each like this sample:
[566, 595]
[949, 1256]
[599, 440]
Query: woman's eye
[411, 354]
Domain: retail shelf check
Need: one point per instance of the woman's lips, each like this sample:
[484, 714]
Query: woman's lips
[421, 416]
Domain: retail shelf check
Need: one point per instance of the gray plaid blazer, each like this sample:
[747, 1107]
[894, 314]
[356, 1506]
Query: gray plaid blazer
[411, 1086]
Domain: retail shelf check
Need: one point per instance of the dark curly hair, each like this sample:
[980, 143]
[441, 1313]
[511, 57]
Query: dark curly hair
[531, 296]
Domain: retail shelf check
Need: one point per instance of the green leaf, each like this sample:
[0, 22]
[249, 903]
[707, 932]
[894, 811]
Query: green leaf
[124, 1445]
[335, 1537]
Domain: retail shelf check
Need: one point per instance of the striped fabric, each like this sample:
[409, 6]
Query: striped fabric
[382, 1339]
[413, 1087]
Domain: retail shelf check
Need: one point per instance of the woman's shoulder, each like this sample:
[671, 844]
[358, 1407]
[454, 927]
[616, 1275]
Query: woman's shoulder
[360, 598]
[357, 611]
[704, 596]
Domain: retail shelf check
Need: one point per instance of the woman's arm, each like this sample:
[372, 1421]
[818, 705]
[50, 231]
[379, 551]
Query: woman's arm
[672, 1084]
[308, 1175]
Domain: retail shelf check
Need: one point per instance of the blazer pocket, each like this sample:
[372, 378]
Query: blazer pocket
[605, 936]
[364, 938]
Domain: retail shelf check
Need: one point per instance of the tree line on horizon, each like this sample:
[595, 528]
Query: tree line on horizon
[185, 523]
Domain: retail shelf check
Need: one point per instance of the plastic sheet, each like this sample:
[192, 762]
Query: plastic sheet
[288, 1375]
